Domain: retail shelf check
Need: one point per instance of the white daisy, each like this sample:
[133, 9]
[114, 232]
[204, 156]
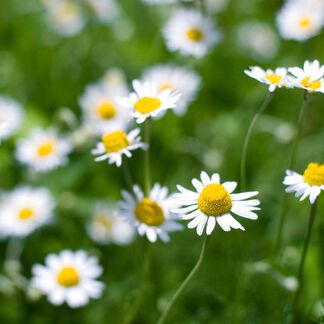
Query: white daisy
[148, 101]
[213, 203]
[116, 144]
[301, 19]
[25, 209]
[189, 32]
[151, 215]
[274, 79]
[43, 150]
[68, 277]
[106, 226]
[105, 10]
[181, 79]
[309, 184]
[11, 116]
[310, 78]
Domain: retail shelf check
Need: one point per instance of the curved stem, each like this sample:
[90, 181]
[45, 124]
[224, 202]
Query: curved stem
[184, 284]
[248, 137]
[147, 173]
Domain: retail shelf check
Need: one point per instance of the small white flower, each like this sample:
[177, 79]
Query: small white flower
[105, 10]
[162, 2]
[309, 184]
[116, 144]
[106, 226]
[274, 79]
[213, 203]
[310, 77]
[301, 19]
[68, 277]
[25, 209]
[11, 116]
[148, 101]
[43, 150]
[151, 215]
[189, 32]
[176, 78]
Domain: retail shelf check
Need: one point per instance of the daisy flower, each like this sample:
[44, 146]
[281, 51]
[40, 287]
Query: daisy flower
[300, 19]
[176, 78]
[151, 215]
[189, 32]
[116, 144]
[105, 10]
[310, 77]
[309, 184]
[213, 203]
[68, 277]
[148, 101]
[43, 150]
[25, 209]
[107, 227]
[11, 116]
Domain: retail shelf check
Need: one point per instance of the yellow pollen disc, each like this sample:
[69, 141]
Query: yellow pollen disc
[116, 141]
[45, 149]
[194, 34]
[67, 11]
[25, 213]
[313, 85]
[166, 86]
[104, 221]
[149, 212]
[314, 174]
[147, 104]
[273, 78]
[214, 200]
[305, 23]
[106, 110]
[68, 277]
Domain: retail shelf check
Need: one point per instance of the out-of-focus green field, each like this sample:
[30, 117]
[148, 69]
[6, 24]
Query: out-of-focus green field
[46, 72]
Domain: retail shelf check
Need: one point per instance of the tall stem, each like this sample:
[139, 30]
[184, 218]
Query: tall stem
[184, 284]
[147, 173]
[127, 175]
[248, 137]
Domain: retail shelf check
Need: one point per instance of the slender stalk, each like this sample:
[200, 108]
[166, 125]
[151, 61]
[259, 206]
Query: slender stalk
[248, 137]
[127, 175]
[147, 173]
[184, 284]
[303, 259]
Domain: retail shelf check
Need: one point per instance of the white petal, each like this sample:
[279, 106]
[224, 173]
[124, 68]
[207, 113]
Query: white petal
[210, 225]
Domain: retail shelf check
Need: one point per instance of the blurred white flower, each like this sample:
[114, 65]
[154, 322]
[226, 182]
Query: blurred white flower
[68, 277]
[107, 227]
[105, 10]
[189, 32]
[162, 2]
[25, 209]
[43, 150]
[214, 6]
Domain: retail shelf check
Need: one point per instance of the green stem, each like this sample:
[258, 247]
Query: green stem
[147, 173]
[184, 284]
[127, 175]
[248, 137]
[302, 261]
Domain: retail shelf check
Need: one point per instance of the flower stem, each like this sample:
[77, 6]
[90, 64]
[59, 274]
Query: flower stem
[127, 175]
[303, 258]
[184, 284]
[248, 137]
[147, 173]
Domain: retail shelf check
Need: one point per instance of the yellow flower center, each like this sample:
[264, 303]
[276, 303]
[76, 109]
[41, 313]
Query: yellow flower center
[147, 104]
[68, 277]
[195, 34]
[305, 23]
[67, 11]
[45, 149]
[149, 212]
[106, 110]
[314, 174]
[104, 221]
[214, 200]
[166, 85]
[273, 78]
[115, 141]
[25, 213]
[313, 85]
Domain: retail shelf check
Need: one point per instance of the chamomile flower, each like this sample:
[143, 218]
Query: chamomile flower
[43, 150]
[213, 203]
[310, 78]
[189, 32]
[116, 144]
[301, 19]
[25, 209]
[274, 79]
[68, 277]
[309, 184]
[148, 101]
[11, 116]
[105, 10]
[180, 79]
[107, 227]
[151, 215]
